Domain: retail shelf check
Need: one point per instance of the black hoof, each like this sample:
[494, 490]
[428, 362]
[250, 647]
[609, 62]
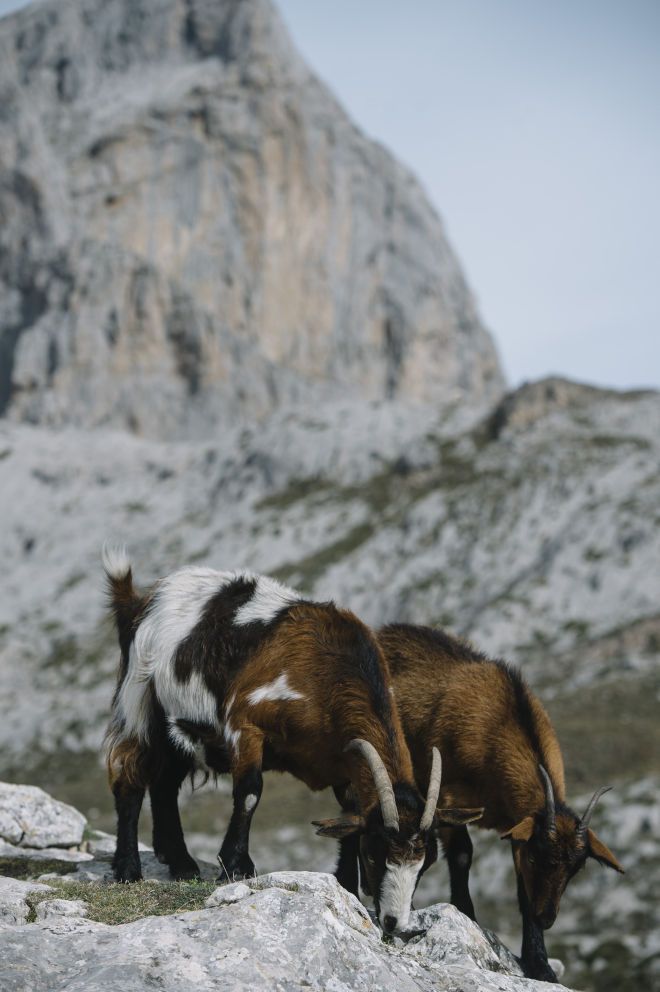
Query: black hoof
[127, 869]
[127, 873]
[185, 871]
[235, 871]
[539, 970]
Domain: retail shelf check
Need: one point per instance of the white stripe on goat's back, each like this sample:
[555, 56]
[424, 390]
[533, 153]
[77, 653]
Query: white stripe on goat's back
[397, 890]
[279, 688]
[178, 604]
[268, 599]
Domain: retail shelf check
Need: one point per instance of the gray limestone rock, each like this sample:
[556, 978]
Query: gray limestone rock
[14, 893]
[193, 228]
[52, 909]
[284, 931]
[30, 818]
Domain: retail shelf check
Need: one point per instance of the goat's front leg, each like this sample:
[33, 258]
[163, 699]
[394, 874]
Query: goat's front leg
[128, 803]
[234, 856]
[457, 848]
[346, 871]
[168, 841]
[533, 957]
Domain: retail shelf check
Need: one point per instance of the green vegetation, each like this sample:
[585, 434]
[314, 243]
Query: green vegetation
[23, 866]
[615, 440]
[115, 903]
[73, 581]
[136, 507]
[308, 570]
[297, 490]
[580, 628]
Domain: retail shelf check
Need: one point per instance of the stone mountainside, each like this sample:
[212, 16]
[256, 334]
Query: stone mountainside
[192, 229]
[534, 530]
[196, 244]
[284, 931]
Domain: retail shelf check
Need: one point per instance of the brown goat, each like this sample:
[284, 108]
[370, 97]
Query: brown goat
[499, 751]
[261, 679]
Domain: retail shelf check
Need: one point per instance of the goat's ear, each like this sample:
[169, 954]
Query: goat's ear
[456, 817]
[343, 826]
[522, 831]
[602, 853]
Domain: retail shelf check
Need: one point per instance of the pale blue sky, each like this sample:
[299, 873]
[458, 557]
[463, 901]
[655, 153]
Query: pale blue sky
[534, 127]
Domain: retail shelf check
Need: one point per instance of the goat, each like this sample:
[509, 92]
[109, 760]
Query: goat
[262, 679]
[500, 752]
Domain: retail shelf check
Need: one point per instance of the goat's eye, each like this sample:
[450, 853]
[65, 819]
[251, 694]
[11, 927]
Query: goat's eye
[370, 860]
[531, 859]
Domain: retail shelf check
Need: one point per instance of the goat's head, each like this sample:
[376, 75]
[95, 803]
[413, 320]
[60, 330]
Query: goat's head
[397, 837]
[550, 847]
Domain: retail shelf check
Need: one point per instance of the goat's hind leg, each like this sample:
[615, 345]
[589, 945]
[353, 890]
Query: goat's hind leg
[168, 841]
[128, 787]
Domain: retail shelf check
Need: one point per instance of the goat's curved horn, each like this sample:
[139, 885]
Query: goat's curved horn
[381, 781]
[433, 793]
[549, 800]
[588, 813]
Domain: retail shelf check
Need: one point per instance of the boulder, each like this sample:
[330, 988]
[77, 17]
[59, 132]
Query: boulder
[30, 818]
[283, 931]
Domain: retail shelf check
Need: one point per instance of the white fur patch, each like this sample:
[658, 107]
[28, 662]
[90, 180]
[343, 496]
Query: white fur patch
[116, 562]
[179, 738]
[177, 607]
[178, 603]
[132, 702]
[268, 599]
[279, 688]
[250, 802]
[397, 890]
[232, 737]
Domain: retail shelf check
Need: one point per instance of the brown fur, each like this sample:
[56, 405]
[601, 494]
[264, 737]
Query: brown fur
[334, 709]
[468, 709]
[128, 764]
[494, 735]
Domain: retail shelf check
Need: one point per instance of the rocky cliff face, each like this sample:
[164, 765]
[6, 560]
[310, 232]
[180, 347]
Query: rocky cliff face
[191, 229]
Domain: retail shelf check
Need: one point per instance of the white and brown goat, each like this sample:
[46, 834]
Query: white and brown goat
[263, 679]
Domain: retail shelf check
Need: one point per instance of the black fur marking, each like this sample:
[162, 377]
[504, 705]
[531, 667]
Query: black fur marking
[216, 647]
[196, 731]
[407, 798]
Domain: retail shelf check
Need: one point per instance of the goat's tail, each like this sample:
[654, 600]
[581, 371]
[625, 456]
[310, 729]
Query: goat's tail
[125, 602]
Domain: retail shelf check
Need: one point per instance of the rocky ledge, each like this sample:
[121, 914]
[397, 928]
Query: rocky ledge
[286, 930]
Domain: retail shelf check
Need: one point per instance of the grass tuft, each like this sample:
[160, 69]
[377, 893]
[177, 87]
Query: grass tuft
[23, 866]
[115, 903]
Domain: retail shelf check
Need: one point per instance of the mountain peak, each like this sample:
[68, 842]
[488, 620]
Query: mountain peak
[196, 230]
